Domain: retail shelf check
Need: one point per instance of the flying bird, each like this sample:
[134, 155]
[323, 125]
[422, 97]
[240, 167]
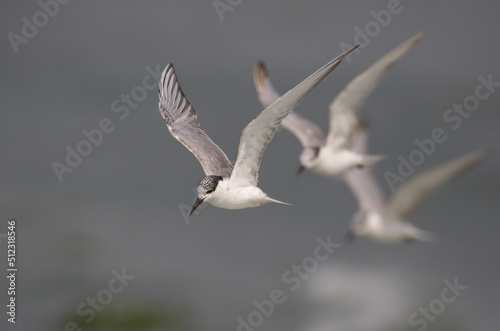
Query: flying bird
[226, 186]
[389, 221]
[332, 155]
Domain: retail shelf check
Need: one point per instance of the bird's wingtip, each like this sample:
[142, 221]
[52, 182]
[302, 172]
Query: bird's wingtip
[259, 75]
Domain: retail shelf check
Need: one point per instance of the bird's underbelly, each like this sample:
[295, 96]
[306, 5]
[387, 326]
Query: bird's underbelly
[390, 233]
[331, 163]
[239, 198]
[388, 237]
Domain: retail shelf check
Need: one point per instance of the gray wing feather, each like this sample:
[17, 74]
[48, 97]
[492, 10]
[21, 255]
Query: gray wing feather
[361, 181]
[183, 124]
[308, 133]
[410, 195]
[343, 111]
[257, 134]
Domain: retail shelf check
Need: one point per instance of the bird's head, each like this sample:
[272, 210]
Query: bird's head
[205, 188]
[307, 158]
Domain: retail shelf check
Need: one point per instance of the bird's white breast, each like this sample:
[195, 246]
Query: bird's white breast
[330, 162]
[230, 197]
[384, 229]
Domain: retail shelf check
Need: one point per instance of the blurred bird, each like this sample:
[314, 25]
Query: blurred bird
[225, 186]
[332, 155]
[389, 221]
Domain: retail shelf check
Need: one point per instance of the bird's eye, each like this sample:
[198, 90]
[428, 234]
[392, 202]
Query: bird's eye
[209, 191]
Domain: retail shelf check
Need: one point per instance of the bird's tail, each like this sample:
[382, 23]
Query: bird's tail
[423, 235]
[372, 159]
[277, 201]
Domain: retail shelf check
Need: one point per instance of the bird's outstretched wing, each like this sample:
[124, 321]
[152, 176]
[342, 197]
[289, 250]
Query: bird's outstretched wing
[410, 195]
[361, 181]
[308, 133]
[183, 124]
[343, 111]
[257, 134]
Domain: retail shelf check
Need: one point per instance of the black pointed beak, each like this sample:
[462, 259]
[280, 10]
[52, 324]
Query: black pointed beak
[196, 204]
[349, 238]
[300, 170]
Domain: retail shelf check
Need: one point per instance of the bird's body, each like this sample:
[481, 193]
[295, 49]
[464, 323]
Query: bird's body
[332, 155]
[226, 186]
[384, 228]
[228, 196]
[331, 162]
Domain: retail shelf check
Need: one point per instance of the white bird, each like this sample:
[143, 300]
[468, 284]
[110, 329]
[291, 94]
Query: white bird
[225, 186]
[332, 155]
[389, 221]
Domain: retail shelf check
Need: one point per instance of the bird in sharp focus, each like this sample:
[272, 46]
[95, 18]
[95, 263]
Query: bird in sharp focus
[226, 186]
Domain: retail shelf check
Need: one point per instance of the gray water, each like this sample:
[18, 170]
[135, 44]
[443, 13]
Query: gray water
[119, 208]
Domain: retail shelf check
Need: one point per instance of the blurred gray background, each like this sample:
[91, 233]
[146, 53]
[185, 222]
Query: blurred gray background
[120, 208]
